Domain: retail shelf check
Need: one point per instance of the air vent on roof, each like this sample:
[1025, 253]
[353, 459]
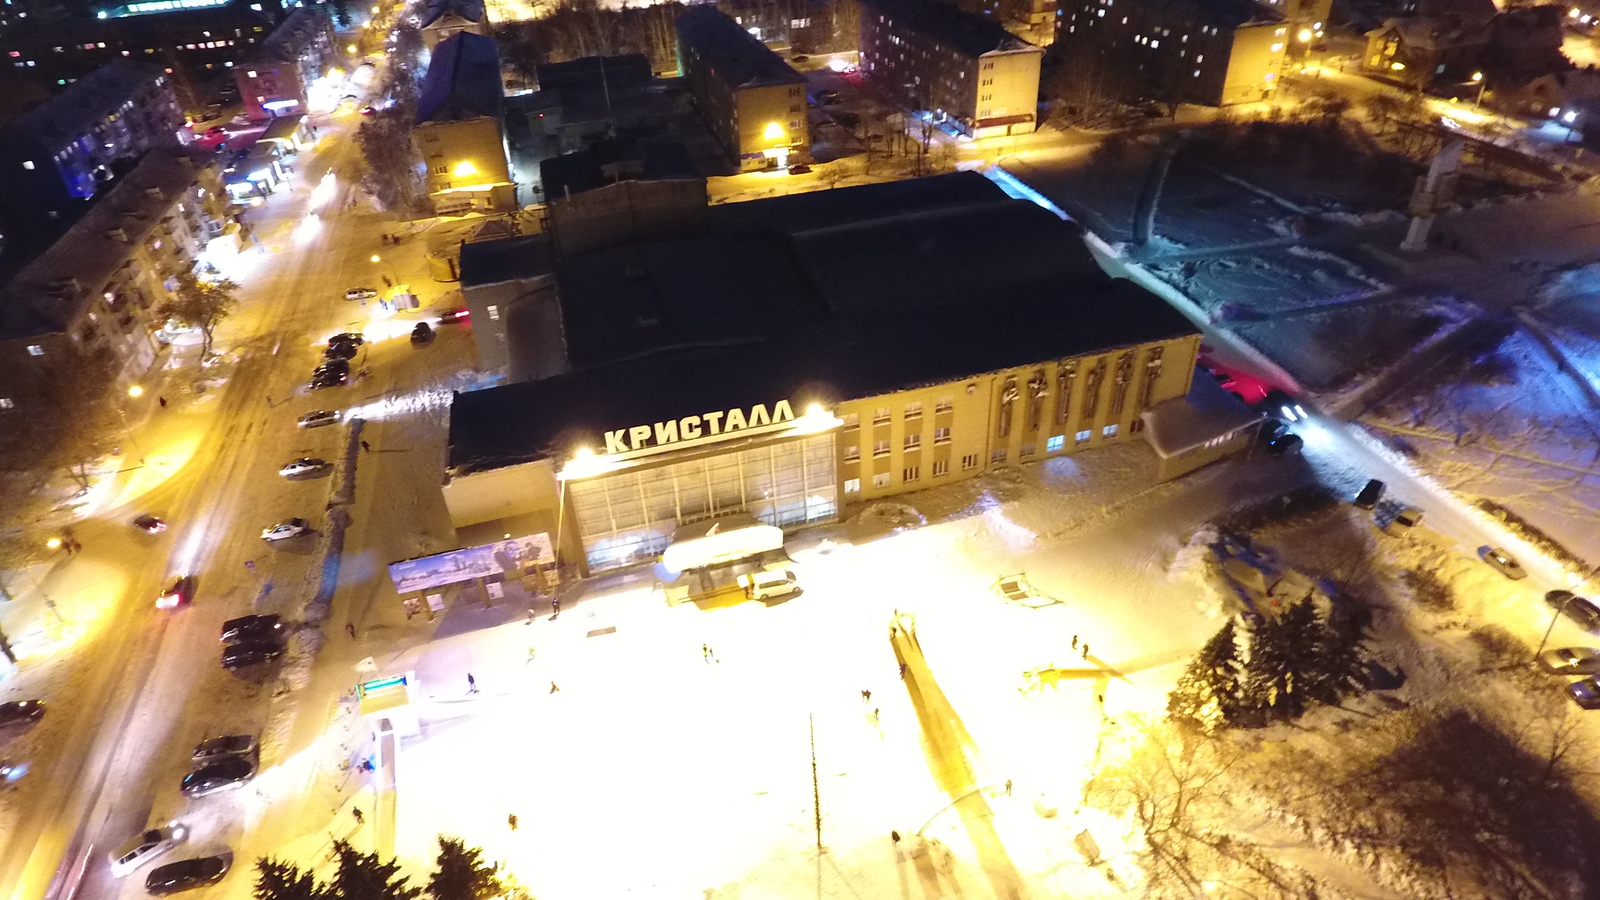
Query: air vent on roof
[117, 234]
[154, 193]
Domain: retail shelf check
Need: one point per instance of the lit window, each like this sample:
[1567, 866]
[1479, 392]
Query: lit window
[852, 453]
[914, 441]
[942, 467]
[880, 448]
[1277, 47]
[1055, 443]
[914, 410]
[970, 461]
[880, 480]
[852, 485]
[35, 350]
[6, 403]
[1109, 431]
[911, 473]
[28, 164]
[494, 313]
[1081, 437]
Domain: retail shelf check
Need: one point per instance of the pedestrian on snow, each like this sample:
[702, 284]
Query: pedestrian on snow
[553, 687]
[512, 821]
[902, 671]
[162, 401]
[555, 607]
[705, 653]
[1085, 649]
[366, 447]
[1008, 787]
[1074, 642]
[874, 716]
[350, 628]
[472, 684]
[866, 696]
[361, 819]
[895, 836]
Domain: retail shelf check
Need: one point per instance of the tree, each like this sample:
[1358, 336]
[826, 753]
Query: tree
[200, 304]
[392, 161]
[278, 880]
[62, 418]
[461, 874]
[362, 876]
[1283, 662]
[1208, 693]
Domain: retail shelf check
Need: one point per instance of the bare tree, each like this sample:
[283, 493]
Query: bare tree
[201, 304]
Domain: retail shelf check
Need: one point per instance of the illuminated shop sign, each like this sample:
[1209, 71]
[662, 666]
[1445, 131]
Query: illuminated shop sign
[705, 425]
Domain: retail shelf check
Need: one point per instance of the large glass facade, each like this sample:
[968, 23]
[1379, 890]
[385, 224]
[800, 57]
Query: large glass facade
[629, 517]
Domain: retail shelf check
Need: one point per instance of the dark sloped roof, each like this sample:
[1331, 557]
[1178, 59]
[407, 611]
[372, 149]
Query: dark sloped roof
[651, 160]
[963, 31]
[738, 56]
[593, 73]
[294, 34]
[463, 80]
[87, 102]
[951, 280]
[471, 10]
[493, 262]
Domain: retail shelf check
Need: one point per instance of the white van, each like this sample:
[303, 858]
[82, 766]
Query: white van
[771, 583]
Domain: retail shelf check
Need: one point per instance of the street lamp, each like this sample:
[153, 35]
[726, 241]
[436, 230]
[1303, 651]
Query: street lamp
[1561, 606]
[54, 543]
[378, 260]
[135, 391]
[1478, 78]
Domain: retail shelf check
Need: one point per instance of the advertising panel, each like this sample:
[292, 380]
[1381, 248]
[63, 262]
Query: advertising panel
[456, 566]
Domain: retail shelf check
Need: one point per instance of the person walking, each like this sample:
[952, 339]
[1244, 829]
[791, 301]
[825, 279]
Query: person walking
[1074, 642]
[361, 818]
[366, 447]
[511, 820]
[162, 401]
[902, 671]
[553, 687]
[472, 684]
[705, 654]
[1085, 649]
[555, 607]
[1008, 787]
[350, 628]
[866, 696]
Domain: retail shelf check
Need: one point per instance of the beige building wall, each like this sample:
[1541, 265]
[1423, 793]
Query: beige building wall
[768, 119]
[466, 165]
[528, 493]
[1008, 86]
[1255, 64]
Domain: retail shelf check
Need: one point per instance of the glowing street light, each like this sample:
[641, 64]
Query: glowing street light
[1304, 35]
[54, 543]
[465, 169]
[773, 132]
[1477, 77]
[135, 390]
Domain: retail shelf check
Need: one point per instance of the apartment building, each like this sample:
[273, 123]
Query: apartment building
[752, 101]
[1207, 52]
[962, 68]
[460, 130]
[443, 18]
[276, 78]
[93, 291]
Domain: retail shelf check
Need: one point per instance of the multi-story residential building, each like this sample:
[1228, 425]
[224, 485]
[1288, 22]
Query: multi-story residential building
[460, 130]
[276, 78]
[57, 155]
[94, 289]
[444, 18]
[1422, 51]
[961, 67]
[908, 335]
[798, 26]
[752, 101]
[198, 46]
[1208, 52]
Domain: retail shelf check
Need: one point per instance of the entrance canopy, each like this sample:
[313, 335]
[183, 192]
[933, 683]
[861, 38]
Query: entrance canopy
[716, 541]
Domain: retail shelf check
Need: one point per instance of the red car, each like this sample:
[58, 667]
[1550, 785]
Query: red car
[216, 131]
[1248, 388]
[180, 594]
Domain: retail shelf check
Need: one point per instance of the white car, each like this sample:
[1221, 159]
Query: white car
[360, 293]
[285, 530]
[306, 466]
[771, 583]
[142, 848]
[320, 417]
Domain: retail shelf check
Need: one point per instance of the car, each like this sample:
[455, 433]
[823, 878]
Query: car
[1247, 388]
[15, 712]
[1369, 495]
[180, 594]
[339, 351]
[309, 465]
[799, 57]
[320, 418]
[455, 316]
[286, 529]
[1404, 520]
[360, 293]
[1571, 661]
[214, 749]
[353, 338]
[328, 380]
[1586, 693]
[369, 110]
[1285, 444]
[800, 169]
[333, 367]
[1578, 609]
[187, 874]
[1285, 405]
[223, 775]
[770, 583]
[144, 847]
[150, 524]
[827, 97]
[1503, 563]
[252, 628]
[216, 131]
[421, 334]
[249, 653]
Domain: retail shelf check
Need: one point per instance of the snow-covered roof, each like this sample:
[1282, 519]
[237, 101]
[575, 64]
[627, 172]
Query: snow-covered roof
[1433, 34]
[1206, 413]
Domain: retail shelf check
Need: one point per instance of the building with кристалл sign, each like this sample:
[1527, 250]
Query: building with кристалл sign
[788, 358]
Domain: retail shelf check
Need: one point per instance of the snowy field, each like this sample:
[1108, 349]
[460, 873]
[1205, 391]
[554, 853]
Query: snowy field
[655, 771]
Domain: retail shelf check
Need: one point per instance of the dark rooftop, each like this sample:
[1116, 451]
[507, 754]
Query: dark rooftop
[86, 103]
[294, 34]
[739, 58]
[493, 262]
[823, 296]
[471, 10]
[463, 80]
[613, 160]
[593, 73]
[963, 31]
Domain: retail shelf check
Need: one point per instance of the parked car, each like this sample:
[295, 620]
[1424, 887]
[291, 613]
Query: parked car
[1369, 495]
[772, 583]
[180, 594]
[320, 418]
[1404, 520]
[309, 465]
[14, 712]
[827, 97]
[187, 874]
[421, 334]
[216, 131]
[324, 380]
[1571, 661]
[222, 775]
[1285, 406]
[332, 367]
[1578, 609]
[249, 653]
[252, 628]
[1285, 444]
[360, 293]
[286, 529]
[1503, 562]
[219, 748]
[144, 847]
[799, 169]
[1247, 388]
[455, 316]
[353, 338]
[150, 524]
[1586, 693]
[340, 351]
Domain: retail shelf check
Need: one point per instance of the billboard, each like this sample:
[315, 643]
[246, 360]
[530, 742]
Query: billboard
[412, 575]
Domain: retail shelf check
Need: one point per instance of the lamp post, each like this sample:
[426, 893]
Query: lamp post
[135, 391]
[1482, 84]
[378, 260]
[1560, 608]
